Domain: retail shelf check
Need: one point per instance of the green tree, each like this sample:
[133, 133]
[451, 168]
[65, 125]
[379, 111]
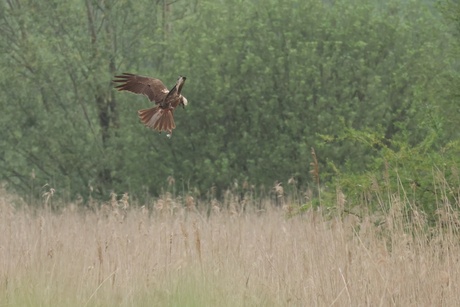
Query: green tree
[268, 80]
[62, 118]
[270, 76]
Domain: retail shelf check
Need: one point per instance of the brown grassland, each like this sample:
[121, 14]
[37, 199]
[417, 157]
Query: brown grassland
[171, 253]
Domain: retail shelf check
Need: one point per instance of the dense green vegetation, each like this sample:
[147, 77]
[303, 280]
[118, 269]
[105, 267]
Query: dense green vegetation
[365, 83]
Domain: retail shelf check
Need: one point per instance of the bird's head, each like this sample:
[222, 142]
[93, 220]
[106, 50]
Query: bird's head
[183, 101]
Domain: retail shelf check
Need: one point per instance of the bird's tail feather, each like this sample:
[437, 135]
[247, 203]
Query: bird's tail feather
[158, 119]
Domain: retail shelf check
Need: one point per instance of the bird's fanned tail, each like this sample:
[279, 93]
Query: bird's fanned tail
[158, 119]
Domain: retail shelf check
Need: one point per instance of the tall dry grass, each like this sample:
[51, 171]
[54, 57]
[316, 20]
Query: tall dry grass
[169, 253]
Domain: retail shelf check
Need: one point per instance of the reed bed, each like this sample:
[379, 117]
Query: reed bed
[171, 253]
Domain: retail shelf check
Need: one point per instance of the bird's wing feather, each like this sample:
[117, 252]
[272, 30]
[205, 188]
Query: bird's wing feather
[153, 88]
[180, 84]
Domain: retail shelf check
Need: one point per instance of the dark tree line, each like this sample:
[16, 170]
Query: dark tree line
[267, 81]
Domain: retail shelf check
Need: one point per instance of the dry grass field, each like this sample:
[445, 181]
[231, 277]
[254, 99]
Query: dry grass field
[175, 255]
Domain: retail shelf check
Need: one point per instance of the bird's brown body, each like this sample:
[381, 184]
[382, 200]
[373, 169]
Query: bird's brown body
[161, 116]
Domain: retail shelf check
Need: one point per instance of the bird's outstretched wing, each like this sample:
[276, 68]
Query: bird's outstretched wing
[153, 88]
[178, 86]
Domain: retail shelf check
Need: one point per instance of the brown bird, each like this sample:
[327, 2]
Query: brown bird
[160, 117]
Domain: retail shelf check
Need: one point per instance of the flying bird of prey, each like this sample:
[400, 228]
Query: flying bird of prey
[160, 117]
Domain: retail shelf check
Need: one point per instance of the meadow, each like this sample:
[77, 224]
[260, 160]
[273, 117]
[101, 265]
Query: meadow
[171, 252]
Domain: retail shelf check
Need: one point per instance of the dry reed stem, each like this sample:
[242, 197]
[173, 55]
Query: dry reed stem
[315, 172]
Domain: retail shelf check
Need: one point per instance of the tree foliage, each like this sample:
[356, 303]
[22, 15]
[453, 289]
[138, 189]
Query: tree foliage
[267, 80]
